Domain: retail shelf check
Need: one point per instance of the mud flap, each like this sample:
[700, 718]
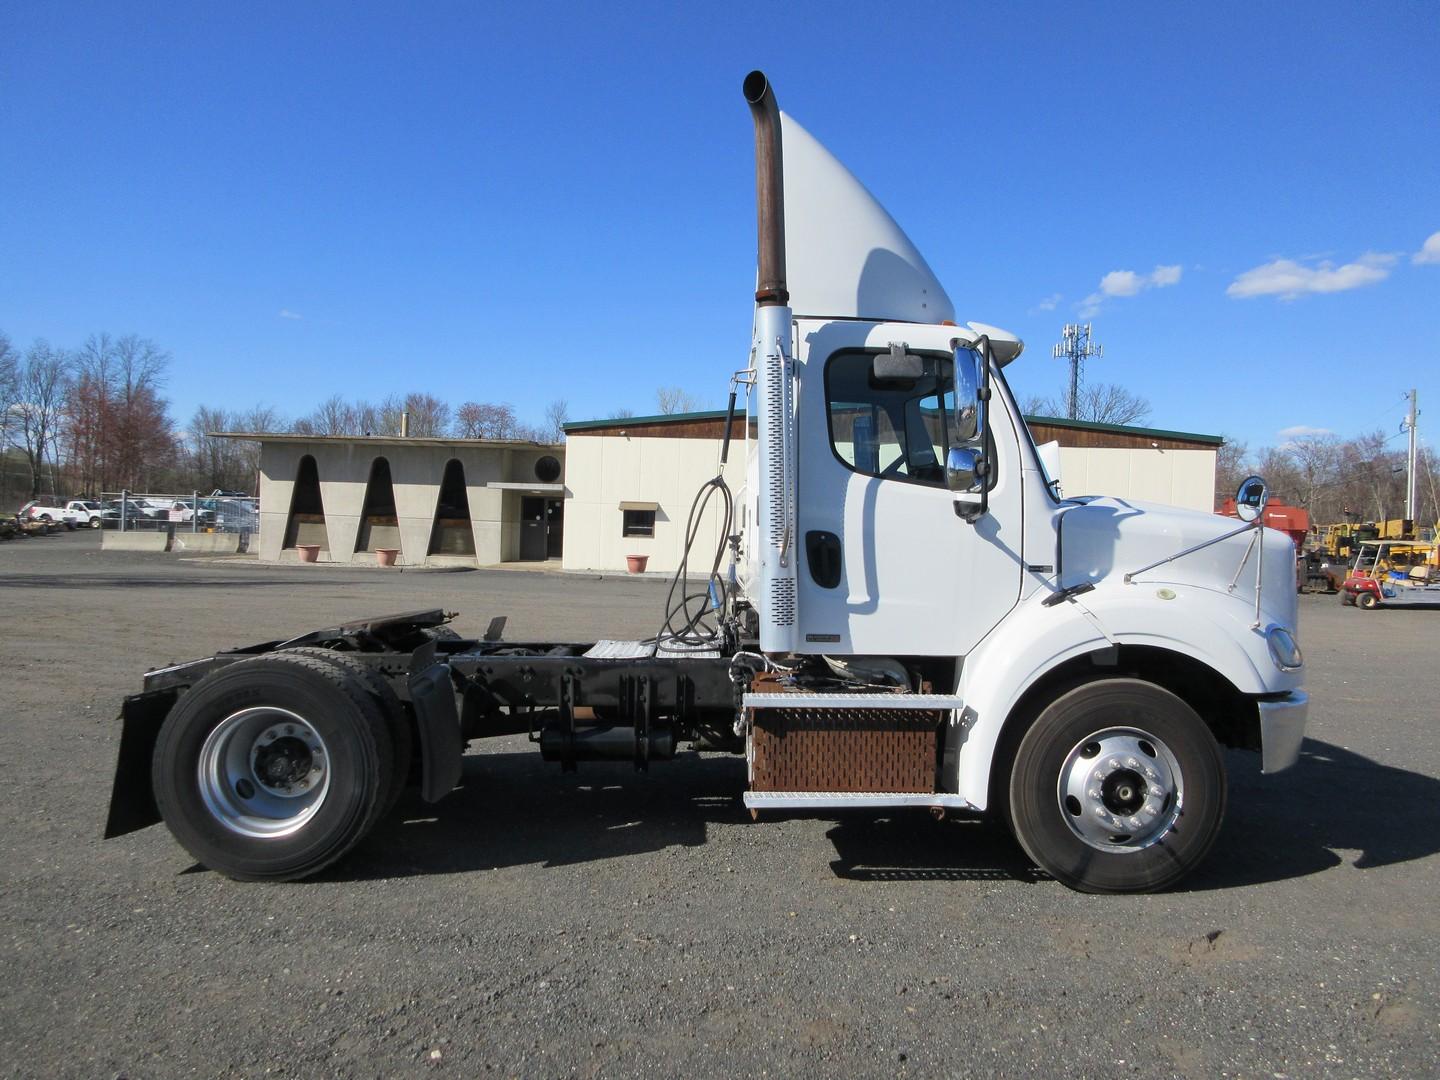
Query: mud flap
[433, 695]
[132, 798]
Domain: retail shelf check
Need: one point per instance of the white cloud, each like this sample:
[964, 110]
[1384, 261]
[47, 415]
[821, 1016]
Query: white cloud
[1429, 253]
[286, 313]
[1289, 279]
[1165, 275]
[1048, 304]
[1299, 431]
[1128, 283]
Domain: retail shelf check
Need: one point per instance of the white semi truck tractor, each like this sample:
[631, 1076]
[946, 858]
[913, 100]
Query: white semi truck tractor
[904, 614]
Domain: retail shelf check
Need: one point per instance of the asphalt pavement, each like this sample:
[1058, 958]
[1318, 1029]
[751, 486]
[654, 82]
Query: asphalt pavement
[540, 924]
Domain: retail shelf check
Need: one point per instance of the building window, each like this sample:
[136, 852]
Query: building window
[638, 523]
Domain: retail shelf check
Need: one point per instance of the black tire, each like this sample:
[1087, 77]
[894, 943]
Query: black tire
[94, 523]
[1347, 598]
[397, 720]
[1368, 600]
[359, 757]
[1060, 736]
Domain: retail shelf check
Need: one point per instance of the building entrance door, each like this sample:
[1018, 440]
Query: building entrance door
[532, 528]
[555, 528]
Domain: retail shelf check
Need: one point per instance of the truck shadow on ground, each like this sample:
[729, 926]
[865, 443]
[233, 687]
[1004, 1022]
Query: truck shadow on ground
[1332, 807]
[514, 809]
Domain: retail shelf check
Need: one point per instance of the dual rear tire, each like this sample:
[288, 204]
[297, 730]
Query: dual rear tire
[276, 766]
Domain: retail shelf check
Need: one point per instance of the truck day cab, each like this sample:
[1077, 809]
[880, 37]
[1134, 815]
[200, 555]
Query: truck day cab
[909, 616]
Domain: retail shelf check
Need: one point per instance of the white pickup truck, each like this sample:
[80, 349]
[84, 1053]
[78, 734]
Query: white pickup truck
[77, 513]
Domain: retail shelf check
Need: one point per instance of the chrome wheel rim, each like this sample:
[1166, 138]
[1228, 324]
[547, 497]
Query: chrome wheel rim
[1120, 789]
[264, 772]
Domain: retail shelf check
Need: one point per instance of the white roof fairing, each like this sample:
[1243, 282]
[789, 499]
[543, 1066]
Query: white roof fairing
[845, 255]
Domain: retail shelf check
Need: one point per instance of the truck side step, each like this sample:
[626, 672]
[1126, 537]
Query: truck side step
[824, 800]
[802, 700]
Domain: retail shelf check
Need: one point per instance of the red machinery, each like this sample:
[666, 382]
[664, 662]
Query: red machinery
[1293, 521]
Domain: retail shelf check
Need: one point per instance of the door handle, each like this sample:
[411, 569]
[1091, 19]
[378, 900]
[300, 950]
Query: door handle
[822, 551]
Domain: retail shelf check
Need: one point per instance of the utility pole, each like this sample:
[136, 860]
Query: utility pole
[1410, 470]
[1075, 346]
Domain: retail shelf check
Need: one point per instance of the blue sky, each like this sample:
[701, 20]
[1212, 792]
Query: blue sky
[523, 202]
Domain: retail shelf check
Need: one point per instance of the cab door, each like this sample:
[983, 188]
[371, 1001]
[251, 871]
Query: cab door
[886, 566]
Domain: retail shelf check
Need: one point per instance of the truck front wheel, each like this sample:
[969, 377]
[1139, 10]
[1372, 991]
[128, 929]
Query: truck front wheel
[1118, 787]
[272, 768]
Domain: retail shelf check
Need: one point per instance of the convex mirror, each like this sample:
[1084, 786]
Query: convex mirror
[1251, 498]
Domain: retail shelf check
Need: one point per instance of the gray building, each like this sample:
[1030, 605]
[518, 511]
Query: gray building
[435, 501]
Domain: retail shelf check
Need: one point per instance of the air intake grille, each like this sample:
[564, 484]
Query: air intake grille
[782, 601]
[777, 393]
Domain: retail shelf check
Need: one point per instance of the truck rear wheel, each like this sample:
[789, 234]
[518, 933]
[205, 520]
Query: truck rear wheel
[1118, 787]
[397, 722]
[273, 768]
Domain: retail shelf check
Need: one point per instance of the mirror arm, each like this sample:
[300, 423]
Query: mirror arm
[983, 473]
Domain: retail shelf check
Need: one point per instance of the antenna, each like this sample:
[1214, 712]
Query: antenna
[1076, 346]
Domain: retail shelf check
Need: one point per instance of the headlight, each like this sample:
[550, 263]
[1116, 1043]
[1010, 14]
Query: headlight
[1284, 650]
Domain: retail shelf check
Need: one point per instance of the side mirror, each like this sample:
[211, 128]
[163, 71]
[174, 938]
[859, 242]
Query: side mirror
[969, 397]
[1251, 498]
[963, 470]
[965, 465]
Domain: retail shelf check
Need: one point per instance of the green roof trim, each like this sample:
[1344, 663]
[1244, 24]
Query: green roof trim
[1124, 429]
[662, 418]
[1057, 421]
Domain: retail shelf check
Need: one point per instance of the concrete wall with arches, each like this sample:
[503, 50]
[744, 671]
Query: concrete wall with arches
[313, 490]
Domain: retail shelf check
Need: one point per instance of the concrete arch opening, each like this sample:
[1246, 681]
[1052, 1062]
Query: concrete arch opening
[452, 534]
[379, 520]
[305, 524]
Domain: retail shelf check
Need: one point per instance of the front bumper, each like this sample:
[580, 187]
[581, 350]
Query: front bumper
[1282, 730]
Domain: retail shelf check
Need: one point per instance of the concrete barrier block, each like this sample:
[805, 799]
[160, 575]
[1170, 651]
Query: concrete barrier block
[115, 540]
[207, 543]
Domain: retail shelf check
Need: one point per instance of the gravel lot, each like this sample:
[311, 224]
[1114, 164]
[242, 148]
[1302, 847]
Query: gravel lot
[547, 925]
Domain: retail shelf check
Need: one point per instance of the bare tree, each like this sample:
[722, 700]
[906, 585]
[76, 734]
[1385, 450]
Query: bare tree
[622, 413]
[1316, 459]
[672, 399]
[429, 416]
[1231, 466]
[41, 397]
[1037, 405]
[481, 420]
[385, 416]
[9, 398]
[1099, 403]
[556, 413]
[334, 416]
[88, 410]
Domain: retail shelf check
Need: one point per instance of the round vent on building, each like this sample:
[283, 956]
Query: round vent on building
[547, 470]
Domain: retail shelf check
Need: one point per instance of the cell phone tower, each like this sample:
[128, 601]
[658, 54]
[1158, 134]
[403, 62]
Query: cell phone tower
[1076, 346]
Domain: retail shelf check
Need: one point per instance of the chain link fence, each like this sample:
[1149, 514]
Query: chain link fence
[190, 511]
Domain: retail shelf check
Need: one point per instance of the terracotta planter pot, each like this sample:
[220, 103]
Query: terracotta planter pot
[308, 552]
[636, 563]
[386, 556]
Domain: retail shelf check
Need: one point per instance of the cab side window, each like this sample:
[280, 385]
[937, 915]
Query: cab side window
[896, 429]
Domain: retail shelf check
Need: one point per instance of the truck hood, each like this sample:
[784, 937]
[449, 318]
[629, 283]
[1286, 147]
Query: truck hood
[1103, 539]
